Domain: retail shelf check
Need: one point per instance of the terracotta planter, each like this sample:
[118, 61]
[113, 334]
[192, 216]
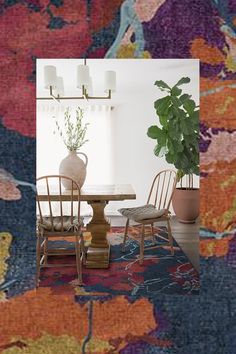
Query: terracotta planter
[73, 166]
[186, 204]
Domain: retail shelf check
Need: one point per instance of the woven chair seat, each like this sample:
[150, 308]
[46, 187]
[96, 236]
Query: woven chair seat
[68, 226]
[143, 212]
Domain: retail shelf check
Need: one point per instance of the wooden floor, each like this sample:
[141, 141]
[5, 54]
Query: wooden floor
[186, 235]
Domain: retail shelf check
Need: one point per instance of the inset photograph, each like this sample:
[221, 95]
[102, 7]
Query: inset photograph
[118, 177]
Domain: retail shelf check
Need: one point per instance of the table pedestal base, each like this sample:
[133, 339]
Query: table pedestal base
[97, 257]
[99, 250]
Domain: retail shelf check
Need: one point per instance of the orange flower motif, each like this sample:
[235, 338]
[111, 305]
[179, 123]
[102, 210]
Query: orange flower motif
[117, 318]
[206, 53]
[26, 316]
[222, 103]
[218, 248]
[217, 196]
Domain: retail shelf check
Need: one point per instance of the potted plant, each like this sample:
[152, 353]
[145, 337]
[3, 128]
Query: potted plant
[73, 136]
[177, 138]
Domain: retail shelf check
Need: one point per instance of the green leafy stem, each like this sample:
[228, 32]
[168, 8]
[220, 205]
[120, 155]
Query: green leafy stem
[73, 132]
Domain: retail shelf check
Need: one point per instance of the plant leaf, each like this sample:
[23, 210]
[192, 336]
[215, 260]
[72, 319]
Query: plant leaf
[163, 120]
[184, 80]
[196, 170]
[160, 150]
[162, 84]
[174, 130]
[157, 149]
[176, 102]
[186, 126]
[175, 91]
[170, 147]
[154, 132]
[161, 105]
[170, 158]
[189, 105]
[184, 97]
[163, 151]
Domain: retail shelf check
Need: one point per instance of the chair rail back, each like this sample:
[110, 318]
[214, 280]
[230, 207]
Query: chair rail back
[49, 183]
[162, 189]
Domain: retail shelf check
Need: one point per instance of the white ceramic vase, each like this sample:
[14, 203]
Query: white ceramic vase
[74, 167]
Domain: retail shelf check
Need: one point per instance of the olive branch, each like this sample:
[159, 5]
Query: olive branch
[73, 132]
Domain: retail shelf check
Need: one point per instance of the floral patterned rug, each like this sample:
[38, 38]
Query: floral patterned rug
[203, 29]
[160, 272]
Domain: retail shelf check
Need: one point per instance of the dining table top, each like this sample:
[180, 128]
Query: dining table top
[100, 192]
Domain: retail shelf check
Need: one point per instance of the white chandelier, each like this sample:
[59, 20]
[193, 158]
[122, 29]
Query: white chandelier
[55, 84]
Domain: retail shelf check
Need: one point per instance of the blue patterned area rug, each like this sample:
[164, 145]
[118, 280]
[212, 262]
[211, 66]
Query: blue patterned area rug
[160, 272]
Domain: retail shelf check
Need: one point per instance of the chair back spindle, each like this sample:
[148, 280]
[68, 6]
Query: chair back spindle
[60, 199]
[50, 204]
[71, 202]
[162, 189]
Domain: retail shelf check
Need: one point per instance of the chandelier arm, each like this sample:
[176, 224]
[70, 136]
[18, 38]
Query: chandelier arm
[84, 96]
[52, 95]
[101, 97]
[60, 98]
[84, 92]
[57, 99]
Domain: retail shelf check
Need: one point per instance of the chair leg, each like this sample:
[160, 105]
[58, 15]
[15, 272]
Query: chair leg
[141, 257]
[153, 236]
[125, 235]
[38, 251]
[82, 248]
[170, 237]
[78, 261]
[45, 251]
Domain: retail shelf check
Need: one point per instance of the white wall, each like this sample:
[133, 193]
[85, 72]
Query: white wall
[119, 150]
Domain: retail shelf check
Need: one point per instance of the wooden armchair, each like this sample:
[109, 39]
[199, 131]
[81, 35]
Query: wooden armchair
[156, 209]
[61, 223]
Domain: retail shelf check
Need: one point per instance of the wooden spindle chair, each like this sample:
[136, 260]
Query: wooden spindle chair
[156, 209]
[63, 225]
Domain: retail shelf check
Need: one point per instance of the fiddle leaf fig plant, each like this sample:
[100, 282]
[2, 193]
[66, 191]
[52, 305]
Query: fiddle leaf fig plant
[177, 135]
